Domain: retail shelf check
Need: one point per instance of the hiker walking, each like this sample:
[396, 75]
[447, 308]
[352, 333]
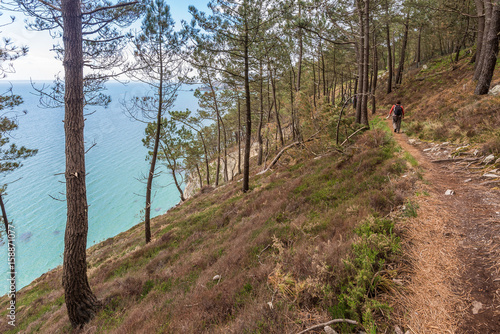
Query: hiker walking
[398, 113]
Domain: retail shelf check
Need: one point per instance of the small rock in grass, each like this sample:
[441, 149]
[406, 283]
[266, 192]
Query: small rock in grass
[397, 330]
[495, 91]
[216, 278]
[461, 148]
[476, 307]
[398, 281]
[329, 330]
[489, 159]
[468, 180]
[449, 192]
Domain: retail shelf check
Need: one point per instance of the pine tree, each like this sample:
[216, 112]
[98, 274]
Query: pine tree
[90, 38]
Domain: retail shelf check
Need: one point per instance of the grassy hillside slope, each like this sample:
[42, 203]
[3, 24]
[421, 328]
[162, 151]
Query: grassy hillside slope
[441, 105]
[296, 250]
[307, 244]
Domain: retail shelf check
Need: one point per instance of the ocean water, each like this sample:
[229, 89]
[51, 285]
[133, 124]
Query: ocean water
[116, 166]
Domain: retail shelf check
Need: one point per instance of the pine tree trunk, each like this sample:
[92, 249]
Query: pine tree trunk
[276, 109]
[399, 74]
[480, 32]
[463, 41]
[248, 141]
[419, 47]
[490, 51]
[173, 168]
[487, 23]
[314, 82]
[261, 118]
[207, 163]
[366, 63]
[217, 113]
[226, 172]
[81, 303]
[149, 185]
[199, 175]
[323, 69]
[360, 57]
[375, 73]
[301, 50]
[239, 134]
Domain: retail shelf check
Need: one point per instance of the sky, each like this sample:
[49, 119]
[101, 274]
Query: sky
[40, 63]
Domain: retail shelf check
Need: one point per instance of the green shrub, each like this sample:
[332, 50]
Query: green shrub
[377, 245]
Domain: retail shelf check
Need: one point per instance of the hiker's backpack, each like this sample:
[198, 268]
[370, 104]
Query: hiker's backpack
[398, 110]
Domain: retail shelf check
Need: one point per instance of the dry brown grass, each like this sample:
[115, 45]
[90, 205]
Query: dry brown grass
[281, 243]
[444, 107]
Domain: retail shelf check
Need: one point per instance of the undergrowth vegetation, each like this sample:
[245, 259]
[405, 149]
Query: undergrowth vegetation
[440, 105]
[313, 240]
[308, 243]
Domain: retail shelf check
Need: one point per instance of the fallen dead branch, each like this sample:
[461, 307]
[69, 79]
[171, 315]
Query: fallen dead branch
[456, 159]
[345, 141]
[352, 322]
[280, 153]
[431, 75]
[340, 116]
[447, 160]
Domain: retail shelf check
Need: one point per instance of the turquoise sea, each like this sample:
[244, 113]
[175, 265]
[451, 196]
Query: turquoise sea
[116, 166]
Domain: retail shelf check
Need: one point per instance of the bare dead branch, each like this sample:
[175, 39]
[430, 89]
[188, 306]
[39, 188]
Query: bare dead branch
[109, 7]
[358, 130]
[336, 321]
[50, 5]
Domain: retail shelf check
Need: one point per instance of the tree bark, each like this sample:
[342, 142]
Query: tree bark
[399, 74]
[363, 62]
[487, 22]
[199, 176]
[248, 138]
[226, 172]
[217, 112]
[301, 48]
[360, 57]
[149, 185]
[278, 122]
[419, 47]
[490, 53]
[207, 163]
[366, 63]
[81, 303]
[480, 32]
[239, 133]
[173, 169]
[261, 118]
[375, 73]
[463, 41]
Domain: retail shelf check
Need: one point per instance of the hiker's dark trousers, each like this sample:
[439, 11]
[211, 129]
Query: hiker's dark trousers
[396, 123]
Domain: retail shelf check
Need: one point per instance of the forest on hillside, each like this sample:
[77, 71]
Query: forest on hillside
[269, 69]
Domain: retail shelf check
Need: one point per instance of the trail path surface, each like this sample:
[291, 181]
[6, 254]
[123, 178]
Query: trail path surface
[453, 279]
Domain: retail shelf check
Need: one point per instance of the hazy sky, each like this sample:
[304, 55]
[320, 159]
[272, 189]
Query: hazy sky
[40, 63]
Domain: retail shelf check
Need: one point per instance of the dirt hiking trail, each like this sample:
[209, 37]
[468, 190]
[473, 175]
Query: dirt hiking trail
[451, 276]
